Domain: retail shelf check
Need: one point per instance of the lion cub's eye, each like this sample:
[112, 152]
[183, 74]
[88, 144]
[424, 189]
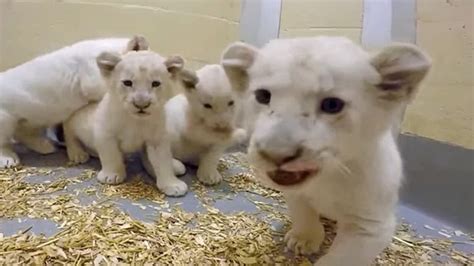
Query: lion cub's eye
[231, 103]
[263, 96]
[332, 105]
[127, 83]
[207, 106]
[155, 84]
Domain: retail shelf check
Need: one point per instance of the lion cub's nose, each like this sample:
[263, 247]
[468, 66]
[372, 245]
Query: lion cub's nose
[141, 104]
[280, 156]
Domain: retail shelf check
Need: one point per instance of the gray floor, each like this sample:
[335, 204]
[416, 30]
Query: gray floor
[423, 224]
[190, 203]
[439, 179]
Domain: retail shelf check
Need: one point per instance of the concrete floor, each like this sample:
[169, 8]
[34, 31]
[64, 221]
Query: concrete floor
[423, 224]
[189, 203]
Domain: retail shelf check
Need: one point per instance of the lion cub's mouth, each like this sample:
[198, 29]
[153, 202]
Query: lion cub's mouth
[222, 130]
[142, 113]
[285, 178]
[293, 173]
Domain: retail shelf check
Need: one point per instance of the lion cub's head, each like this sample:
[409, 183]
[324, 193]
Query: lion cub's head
[321, 103]
[143, 80]
[212, 100]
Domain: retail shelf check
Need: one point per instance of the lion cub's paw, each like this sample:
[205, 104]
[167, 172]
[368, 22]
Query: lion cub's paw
[304, 243]
[77, 156]
[179, 168]
[8, 160]
[174, 189]
[110, 177]
[239, 136]
[42, 146]
[208, 176]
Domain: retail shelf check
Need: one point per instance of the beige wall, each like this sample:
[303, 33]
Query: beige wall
[321, 17]
[444, 108]
[197, 29]
[200, 29]
[2, 24]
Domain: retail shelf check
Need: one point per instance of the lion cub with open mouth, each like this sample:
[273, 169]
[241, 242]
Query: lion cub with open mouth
[130, 117]
[200, 123]
[322, 112]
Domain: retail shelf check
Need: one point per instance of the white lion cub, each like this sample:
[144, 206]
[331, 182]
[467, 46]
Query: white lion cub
[324, 109]
[47, 90]
[130, 117]
[200, 123]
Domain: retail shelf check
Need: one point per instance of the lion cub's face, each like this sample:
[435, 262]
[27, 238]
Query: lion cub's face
[142, 80]
[213, 100]
[322, 103]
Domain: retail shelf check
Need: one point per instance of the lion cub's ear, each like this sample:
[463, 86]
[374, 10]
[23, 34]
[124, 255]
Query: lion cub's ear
[107, 61]
[188, 78]
[137, 43]
[174, 64]
[236, 59]
[402, 67]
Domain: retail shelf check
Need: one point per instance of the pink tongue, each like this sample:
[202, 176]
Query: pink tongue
[299, 166]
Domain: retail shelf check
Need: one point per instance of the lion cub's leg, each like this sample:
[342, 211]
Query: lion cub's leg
[161, 161]
[307, 233]
[207, 170]
[359, 241]
[34, 138]
[111, 158]
[75, 151]
[179, 168]
[8, 158]
[239, 136]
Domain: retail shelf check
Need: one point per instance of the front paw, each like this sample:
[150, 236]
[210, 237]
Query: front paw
[239, 136]
[112, 178]
[77, 156]
[208, 176]
[42, 146]
[304, 243]
[173, 188]
[179, 168]
[8, 160]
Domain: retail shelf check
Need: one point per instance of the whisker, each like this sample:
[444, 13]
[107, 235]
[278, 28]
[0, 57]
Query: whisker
[344, 168]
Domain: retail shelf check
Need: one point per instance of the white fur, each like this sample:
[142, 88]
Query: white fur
[47, 90]
[354, 164]
[200, 135]
[114, 127]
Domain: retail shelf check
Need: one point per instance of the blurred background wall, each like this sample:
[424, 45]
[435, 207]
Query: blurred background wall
[200, 29]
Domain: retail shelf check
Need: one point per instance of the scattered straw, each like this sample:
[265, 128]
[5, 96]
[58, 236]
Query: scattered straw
[101, 234]
[135, 189]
